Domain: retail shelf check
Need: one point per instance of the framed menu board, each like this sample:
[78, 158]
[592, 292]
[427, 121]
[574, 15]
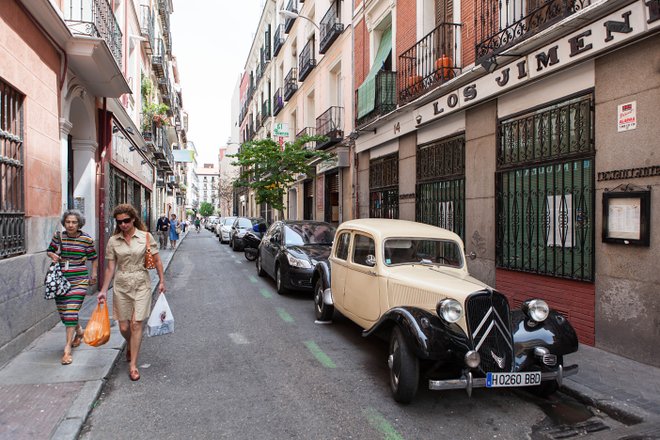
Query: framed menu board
[626, 217]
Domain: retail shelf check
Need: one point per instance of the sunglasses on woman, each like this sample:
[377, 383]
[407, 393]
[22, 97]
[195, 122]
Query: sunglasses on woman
[124, 221]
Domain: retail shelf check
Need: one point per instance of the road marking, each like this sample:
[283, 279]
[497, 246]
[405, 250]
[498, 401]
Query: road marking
[238, 338]
[323, 358]
[252, 279]
[265, 293]
[284, 315]
[378, 421]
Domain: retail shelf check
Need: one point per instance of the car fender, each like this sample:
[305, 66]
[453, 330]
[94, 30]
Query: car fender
[428, 335]
[322, 271]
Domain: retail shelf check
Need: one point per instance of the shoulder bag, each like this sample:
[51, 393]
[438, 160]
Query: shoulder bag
[149, 262]
[55, 282]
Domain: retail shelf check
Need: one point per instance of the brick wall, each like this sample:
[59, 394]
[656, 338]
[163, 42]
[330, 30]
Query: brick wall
[406, 26]
[573, 299]
[468, 12]
[361, 45]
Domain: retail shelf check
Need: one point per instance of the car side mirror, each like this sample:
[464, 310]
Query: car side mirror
[370, 260]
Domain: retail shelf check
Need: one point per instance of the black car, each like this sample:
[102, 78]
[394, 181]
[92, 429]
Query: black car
[239, 228]
[290, 250]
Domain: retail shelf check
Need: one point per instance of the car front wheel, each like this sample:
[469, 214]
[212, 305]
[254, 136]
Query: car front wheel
[323, 311]
[260, 270]
[279, 282]
[404, 368]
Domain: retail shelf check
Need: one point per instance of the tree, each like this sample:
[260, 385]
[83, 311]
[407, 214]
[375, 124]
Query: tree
[270, 170]
[206, 209]
[226, 193]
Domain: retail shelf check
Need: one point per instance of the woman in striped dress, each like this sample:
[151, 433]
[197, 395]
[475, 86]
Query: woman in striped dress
[76, 247]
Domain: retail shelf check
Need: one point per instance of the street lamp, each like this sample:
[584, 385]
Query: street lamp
[293, 15]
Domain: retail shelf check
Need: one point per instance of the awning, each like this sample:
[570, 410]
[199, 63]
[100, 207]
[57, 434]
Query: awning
[367, 91]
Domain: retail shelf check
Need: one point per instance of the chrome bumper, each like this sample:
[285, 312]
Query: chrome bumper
[469, 382]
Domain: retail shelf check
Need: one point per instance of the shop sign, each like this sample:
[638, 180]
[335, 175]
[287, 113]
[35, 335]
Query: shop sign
[613, 30]
[626, 116]
[339, 160]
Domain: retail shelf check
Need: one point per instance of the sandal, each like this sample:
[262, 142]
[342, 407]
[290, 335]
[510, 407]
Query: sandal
[78, 339]
[67, 359]
[134, 375]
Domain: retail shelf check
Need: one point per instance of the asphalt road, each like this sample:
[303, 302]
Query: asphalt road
[247, 363]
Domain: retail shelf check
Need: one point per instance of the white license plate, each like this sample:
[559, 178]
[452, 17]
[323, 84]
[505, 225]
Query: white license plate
[526, 379]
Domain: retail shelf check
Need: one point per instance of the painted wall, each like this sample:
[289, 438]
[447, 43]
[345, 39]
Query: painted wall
[31, 65]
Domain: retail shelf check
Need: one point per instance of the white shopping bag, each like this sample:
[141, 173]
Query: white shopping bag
[161, 321]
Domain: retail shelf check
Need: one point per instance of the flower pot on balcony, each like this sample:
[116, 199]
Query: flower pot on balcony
[443, 68]
[148, 136]
[414, 84]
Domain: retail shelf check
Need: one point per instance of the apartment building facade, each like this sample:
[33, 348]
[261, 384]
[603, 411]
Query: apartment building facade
[517, 126]
[71, 81]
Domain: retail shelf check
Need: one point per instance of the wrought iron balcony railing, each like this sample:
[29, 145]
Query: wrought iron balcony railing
[95, 18]
[385, 98]
[147, 27]
[158, 58]
[331, 27]
[306, 61]
[278, 39]
[331, 125]
[288, 23]
[307, 131]
[501, 25]
[278, 101]
[290, 83]
[430, 62]
[258, 122]
[163, 153]
[265, 111]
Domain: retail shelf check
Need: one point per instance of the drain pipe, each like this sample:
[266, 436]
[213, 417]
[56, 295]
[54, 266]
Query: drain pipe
[100, 184]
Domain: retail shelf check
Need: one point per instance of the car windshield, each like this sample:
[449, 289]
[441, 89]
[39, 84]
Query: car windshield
[244, 223]
[229, 221]
[422, 250]
[300, 234]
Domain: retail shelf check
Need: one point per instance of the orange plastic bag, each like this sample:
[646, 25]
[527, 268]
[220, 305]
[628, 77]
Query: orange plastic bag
[97, 331]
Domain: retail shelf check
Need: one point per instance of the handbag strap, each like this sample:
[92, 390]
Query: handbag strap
[148, 249]
[58, 234]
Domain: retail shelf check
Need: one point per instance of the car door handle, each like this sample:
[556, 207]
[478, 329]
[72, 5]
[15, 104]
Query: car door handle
[371, 272]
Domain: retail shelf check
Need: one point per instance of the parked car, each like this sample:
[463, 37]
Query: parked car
[225, 229]
[252, 240]
[238, 229]
[409, 282]
[290, 250]
[210, 222]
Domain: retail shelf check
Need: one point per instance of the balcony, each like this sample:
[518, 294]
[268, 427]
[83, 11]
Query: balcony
[330, 124]
[258, 122]
[307, 131]
[501, 25]
[163, 152]
[288, 23]
[164, 12]
[384, 99]
[278, 102]
[278, 39]
[331, 27]
[265, 111]
[306, 60]
[147, 27]
[430, 62]
[290, 83]
[158, 59]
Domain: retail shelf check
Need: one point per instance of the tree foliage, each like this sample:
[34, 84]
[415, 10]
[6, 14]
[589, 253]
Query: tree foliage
[270, 170]
[206, 209]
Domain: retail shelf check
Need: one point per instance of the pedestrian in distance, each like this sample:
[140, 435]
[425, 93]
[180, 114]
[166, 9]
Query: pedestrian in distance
[131, 302]
[184, 225]
[174, 231]
[75, 248]
[163, 229]
[198, 224]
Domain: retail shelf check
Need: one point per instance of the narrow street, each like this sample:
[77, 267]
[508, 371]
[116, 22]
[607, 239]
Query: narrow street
[246, 363]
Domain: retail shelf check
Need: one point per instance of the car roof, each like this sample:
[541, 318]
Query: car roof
[385, 228]
[305, 222]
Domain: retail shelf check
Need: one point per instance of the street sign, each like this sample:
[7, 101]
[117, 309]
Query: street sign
[281, 129]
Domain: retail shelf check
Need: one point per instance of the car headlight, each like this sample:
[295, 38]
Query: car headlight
[536, 309]
[298, 262]
[450, 310]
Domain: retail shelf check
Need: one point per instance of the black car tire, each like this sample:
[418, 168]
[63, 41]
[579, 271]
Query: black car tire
[278, 280]
[323, 311]
[403, 367]
[260, 270]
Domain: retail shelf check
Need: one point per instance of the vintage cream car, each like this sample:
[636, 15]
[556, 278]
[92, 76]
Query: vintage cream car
[409, 282]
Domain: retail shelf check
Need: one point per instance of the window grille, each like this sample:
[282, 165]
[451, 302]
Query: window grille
[545, 191]
[12, 196]
[384, 187]
[440, 195]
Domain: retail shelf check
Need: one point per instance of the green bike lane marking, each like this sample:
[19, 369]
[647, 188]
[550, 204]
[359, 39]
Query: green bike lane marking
[284, 315]
[265, 293]
[252, 279]
[379, 422]
[320, 356]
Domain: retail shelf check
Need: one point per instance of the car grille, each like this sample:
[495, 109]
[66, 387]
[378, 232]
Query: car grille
[489, 322]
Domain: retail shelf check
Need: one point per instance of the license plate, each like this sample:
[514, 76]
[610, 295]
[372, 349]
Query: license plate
[513, 379]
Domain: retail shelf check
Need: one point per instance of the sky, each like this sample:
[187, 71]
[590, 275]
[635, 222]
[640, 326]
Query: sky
[211, 40]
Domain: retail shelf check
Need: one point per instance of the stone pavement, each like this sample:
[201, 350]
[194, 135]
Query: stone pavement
[40, 398]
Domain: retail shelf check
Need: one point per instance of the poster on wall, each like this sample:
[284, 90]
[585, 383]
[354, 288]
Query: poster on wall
[627, 116]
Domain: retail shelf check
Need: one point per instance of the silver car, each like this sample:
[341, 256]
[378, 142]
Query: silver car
[224, 234]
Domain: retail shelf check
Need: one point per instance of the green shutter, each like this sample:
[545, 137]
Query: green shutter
[367, 91]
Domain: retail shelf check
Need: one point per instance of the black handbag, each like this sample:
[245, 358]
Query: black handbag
[55, 282]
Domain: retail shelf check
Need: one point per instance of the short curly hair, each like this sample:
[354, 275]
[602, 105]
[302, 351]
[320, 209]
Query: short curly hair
[79, 215]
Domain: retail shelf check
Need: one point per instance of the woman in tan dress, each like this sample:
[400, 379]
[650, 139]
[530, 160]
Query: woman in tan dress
[132, 287]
